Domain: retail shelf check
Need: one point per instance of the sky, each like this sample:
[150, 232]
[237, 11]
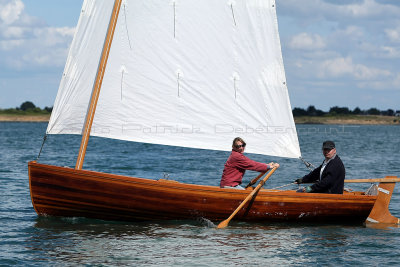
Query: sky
[342, 53]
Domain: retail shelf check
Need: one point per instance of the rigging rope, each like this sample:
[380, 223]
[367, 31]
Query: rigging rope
[283, 185]
[308, 164]
[44, 140]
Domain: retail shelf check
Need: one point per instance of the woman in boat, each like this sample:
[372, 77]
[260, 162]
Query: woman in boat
[329, 177]
[237, 164]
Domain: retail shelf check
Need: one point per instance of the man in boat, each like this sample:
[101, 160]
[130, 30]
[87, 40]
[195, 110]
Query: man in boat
[329, 177]
[237, 164]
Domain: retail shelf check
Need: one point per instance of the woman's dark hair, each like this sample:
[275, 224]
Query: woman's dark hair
[234, 145]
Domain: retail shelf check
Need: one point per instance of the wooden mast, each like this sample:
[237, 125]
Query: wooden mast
[97, 85]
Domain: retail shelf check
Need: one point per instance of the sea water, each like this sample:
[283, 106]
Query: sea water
[31, 240]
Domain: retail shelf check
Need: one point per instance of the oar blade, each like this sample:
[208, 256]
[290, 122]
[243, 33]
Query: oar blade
[223, 224]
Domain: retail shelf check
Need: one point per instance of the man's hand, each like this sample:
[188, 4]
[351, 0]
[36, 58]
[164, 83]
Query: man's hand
[307, 189]
[298, 181]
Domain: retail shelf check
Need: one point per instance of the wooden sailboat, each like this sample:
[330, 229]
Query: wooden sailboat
[183, 73]
[61, 191]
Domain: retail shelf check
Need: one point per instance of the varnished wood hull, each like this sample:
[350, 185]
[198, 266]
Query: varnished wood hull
[61, 191]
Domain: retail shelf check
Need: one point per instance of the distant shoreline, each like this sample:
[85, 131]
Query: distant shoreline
[24, 118]
[349, 119]
[344, 119]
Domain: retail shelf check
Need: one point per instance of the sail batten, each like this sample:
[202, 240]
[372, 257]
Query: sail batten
[187, 73]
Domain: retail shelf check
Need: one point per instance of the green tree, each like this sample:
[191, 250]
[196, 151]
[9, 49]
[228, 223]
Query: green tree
[27, 106]
[312, 111]
[357, 111]
[299, 112]
[339, 110]
[390, 112]
[373, 111]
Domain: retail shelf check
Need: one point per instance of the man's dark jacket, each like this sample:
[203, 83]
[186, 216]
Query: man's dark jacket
[332, 178]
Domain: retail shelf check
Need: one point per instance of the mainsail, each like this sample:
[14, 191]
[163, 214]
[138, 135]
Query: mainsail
[183, 73]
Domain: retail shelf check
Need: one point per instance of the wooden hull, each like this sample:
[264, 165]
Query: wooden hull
[61, 191]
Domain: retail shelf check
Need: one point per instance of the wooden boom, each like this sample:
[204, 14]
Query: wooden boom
[393, 179]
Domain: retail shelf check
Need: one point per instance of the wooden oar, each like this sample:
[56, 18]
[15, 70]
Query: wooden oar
[374, 180]
[255, 179]
[225, 223]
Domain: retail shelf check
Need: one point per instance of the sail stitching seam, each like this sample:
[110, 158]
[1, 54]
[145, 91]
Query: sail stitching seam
[233, 15]
[126, 27]
[174, 19]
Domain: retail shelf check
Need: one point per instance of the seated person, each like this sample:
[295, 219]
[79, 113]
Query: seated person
[237, 164]
[329, 177]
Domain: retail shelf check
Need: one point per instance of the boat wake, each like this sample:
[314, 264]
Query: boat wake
[206, 222]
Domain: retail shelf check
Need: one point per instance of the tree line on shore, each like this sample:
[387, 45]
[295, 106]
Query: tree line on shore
[29, 107]
[334, 111]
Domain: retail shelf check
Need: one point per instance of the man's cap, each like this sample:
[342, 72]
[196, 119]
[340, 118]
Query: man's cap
[328, 145]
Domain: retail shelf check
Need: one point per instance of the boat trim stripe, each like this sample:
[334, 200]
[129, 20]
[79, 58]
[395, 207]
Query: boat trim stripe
[372, 220]
[387, 192]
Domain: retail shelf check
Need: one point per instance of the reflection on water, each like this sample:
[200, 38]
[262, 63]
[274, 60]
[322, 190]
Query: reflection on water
[381, 226]
[85, 241]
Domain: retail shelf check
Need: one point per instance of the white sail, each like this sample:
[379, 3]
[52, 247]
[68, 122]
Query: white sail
[183, 73]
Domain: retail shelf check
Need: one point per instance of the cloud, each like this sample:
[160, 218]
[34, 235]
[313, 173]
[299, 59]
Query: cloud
[342, 67]
[27, 43]
[10, 44]
[364, 13]
[10, 11]
[350, 31]
[307, 41]
[354, 48]
[46, 47]
[343, 2]
[390, 52]
[393, 34]
[364, 9]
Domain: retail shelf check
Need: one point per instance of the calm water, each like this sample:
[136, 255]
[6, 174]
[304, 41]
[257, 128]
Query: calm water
[26, 239]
